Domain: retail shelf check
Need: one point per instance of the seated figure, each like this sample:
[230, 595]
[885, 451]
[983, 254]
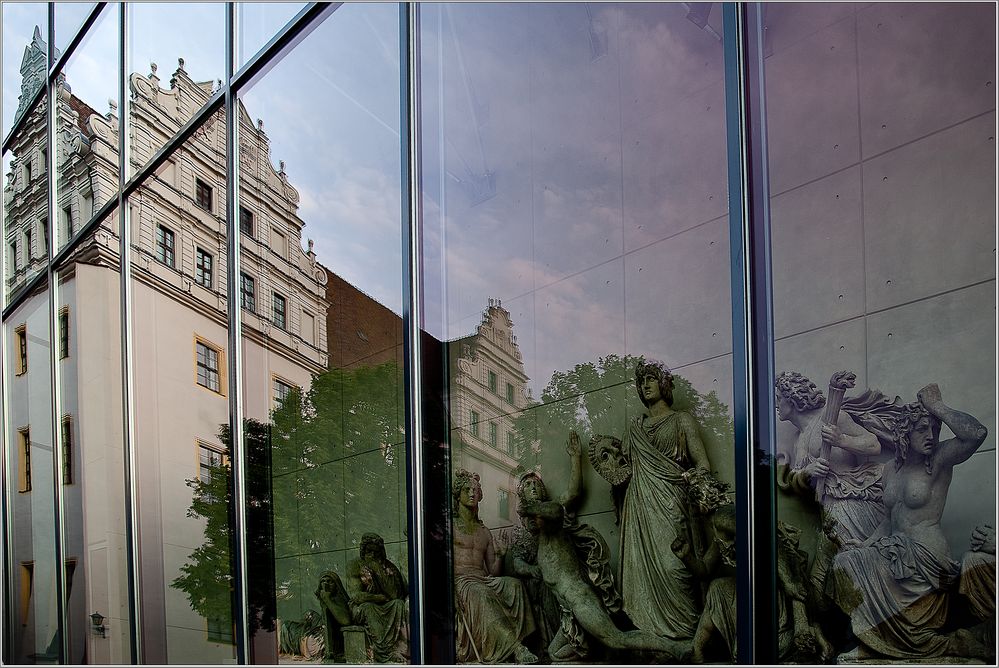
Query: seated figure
[978, 579]
[494, 614]
[378, 602]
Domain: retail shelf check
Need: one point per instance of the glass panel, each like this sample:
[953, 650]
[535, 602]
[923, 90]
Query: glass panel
[188, 41]
[25, 55]
[86, 146]
[69, 18]
[88, 340]
[28, 434]
[258, 22]
[335, 445]
[576, 231]
[25, 203]
[881, 125]
[180, 336]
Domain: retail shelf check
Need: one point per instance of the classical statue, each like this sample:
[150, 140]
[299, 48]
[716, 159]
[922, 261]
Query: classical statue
[660, 593]
[834, 459]
[573, 560]
[894, 584]
[544, 604]
[378, 602]
[494, 614]
[334, 602]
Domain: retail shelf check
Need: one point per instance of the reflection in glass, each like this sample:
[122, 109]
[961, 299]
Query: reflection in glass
[322, 345]
[258, 22]
[27, 396]
[86, 144]
[182, 441]
[188, 41]
[69, 18]
[25, 202]
[90, 438]
[25, 54]
[891, 494]
[574, 207]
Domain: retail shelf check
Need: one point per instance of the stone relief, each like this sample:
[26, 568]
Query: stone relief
[864, 575]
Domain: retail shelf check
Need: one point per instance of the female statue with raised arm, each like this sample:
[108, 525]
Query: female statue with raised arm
[893, 584]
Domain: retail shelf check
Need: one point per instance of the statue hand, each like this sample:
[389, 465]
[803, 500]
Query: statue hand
[502, 543]
[831, 435]
[929, 395]
[983, 539]
[681, 548]
[818, 467]
[572, 446]
[852, 544]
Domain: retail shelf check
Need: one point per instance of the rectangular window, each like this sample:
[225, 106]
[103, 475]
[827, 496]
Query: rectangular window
[164, 245]
[473, 420]
[220, 630]
[493, 434]
[209, 461]
[509, 442]
[44, 224]
[27, 583]
[281, 391]
[13, 255]
[247, 293]
[24, 460]
[67, 222]
[27, 246]
[21, 349]
[203, 194]
[280, 311]
[245, 221]
[503, 497]
[64, 333]
[309, 328]
[203, 268]
[208, 366]
[67, 450]
[492, 382]
[509, 393]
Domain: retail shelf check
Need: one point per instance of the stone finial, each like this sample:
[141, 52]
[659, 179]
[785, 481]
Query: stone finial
[311, 244]
[112, 106]
[281, 167]
[180, 63]
[260, 124]
[152, 69]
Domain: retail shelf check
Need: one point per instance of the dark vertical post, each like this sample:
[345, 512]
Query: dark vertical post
[752, 333]
[412, 220]
[237, 504]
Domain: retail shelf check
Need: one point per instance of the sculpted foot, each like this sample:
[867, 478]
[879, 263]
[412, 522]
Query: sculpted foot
[524, 655]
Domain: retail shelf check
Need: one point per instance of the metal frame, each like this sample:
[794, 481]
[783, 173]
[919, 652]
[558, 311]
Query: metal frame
[752, 336]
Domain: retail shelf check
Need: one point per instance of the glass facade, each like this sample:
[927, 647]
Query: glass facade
[498, 333]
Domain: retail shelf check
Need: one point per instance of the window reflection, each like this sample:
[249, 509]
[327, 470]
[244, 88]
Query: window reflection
[26, 209]
[880, 121]
[321, 241]
[574, 166]
[24, 72]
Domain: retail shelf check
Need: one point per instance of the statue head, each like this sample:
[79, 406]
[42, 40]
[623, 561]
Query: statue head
[915, 430]
[794, 391]
[659, 372]
[466, 489]
[531, 488]
[608, 459]
[372, 546]
[723, 522]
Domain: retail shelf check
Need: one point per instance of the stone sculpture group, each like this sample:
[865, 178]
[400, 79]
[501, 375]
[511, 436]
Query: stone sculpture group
[864, 573]
[877, 581]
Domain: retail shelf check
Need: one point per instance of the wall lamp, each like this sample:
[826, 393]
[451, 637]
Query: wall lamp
[97, 622]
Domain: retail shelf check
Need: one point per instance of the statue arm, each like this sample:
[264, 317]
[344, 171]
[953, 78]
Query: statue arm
[695, 446]
[850, 436]
[494, 559]
[575, 470]
[969, 433]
